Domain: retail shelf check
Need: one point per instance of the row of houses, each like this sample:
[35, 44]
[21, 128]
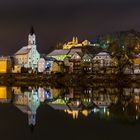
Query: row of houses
[77, 60]
[70, 59]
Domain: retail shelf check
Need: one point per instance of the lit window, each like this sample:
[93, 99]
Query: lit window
[77, 56]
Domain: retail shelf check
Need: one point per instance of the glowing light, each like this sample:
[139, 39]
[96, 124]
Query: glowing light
[137, 117]
[3, 92]
[108, 113]
[104, 109]
[136, 107]
[85, 112]
[3, 66]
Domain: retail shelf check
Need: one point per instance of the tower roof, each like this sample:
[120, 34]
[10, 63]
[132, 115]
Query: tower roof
[32, 30]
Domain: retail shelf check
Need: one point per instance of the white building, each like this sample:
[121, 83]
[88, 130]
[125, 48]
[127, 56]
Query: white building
[136, 69]
[28, 102]
[28, 56]
[41, 65]
[103, 59]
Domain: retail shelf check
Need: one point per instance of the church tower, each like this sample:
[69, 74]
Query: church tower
[32, 118]
[33, 104]
[31, 38]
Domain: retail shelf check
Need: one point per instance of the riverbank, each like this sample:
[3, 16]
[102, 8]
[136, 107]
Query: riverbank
[68, 79]
[100, 79]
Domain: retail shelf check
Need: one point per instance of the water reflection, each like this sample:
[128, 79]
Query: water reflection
[109, 103]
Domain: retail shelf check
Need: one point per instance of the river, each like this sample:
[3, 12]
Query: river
[40, 112]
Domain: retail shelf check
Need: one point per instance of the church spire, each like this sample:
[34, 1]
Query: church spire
[31, 38]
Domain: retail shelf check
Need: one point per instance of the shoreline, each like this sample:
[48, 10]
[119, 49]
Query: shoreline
[65, 79]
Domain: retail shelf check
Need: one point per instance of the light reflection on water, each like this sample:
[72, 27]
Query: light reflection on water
[106, 103]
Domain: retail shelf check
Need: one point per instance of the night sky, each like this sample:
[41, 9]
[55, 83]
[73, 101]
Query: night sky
[58, 21]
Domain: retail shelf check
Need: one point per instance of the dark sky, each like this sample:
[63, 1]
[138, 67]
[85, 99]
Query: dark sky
[58, 21]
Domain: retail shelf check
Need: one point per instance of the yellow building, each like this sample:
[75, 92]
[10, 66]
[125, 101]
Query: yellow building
[55, 92]
[137, 48]
[4, 94]
[136, 61]
[16, 90]
[75, 43]
[5, 65]
[16, 69]
[57, 67]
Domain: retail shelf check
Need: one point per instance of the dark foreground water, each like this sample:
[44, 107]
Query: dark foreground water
[98, 113]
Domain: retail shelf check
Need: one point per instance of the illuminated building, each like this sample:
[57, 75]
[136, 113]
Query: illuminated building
[136, 62]
[102, 100]
[62, 105]
[137, 48]
[87, 57]
[136, 69]
[56, 92]
[57, 67]
[58, 104]
[68, 64]
[4, 94]
[136, 59]
[41, 94]
[75, 43]
[76, 60]
[59, 54]
[41, 65]
[28, 102]
[87, 62]
[16, 90]
[16, 69]
[76, 56]
[102, 59]
[28, 56]
[45, 64]
[62, 54]
[5, 65]
[33, 103]
[21, 99]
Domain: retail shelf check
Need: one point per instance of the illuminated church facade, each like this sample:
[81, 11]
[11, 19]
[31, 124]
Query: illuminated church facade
[75, 43]
[28, 56]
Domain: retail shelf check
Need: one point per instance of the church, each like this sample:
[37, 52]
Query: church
[28, 56]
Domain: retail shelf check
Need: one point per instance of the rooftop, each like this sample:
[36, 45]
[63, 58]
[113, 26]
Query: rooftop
[59, 52]
[23, 50]
[75, 50]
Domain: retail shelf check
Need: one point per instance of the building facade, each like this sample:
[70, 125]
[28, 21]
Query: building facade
[28, 56]
[102, 59]
[5, 65]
